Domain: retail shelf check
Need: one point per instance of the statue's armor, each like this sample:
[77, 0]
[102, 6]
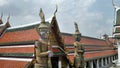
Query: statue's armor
[79, 59]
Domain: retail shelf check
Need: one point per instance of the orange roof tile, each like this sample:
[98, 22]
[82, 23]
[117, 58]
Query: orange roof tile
[12, 64]
[68, 39]
[20, 36]
[24, 50]
[91, 41]
[17, 50]
[91, 55]
[85, 40]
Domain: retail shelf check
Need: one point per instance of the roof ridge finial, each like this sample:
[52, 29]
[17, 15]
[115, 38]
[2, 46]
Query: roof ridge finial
[41, 14]
[76, 28]
[56, 10]
[8, 18]
[1, 22]
[7, 23]
[1, 15]
[115, 5]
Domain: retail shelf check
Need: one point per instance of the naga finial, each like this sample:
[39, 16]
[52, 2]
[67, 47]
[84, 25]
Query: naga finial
[8, 18]
[56, 10]
[41, 14]
[114, 4]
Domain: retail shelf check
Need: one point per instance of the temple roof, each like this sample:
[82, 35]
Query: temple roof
[19, 42]
[84, 40]
[93, 55]
[17, 35]
[94, 47]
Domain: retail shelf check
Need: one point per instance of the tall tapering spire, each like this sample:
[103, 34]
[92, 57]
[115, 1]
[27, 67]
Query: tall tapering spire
[77, 33]
[42, 16]
[76, 28]
[116, 33]
[56, 10]
[116, 20]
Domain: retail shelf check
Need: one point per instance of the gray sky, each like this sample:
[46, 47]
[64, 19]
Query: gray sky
[94, 17]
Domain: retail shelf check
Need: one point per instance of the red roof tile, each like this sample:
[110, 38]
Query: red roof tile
[85, 40]
[20, 36]
[17, 50]
[12, 64]
[91, 55]
[98, 48]
[68, 39]
[91, 41]
[24, 50]
[56, 50]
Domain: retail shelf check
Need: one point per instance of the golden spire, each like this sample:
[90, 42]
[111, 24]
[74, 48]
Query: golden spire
[42, 16]
[76, 28]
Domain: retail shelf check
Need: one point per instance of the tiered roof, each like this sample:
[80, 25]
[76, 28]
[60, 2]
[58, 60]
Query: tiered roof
[94, 47]
[20, 43]
[17, 35]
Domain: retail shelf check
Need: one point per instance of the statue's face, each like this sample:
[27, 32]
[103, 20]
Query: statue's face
[78, 37]
[43, 33]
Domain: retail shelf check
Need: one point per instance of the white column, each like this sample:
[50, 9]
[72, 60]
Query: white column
[98, 66]
[115, 57]
[105, 61]
[119, 52]
[59, 64]
[91, 64]
[85, 64]
[102, 63]
[109, 60]
[118, 63]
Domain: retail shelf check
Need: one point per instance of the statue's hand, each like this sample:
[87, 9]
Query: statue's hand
[50, 53]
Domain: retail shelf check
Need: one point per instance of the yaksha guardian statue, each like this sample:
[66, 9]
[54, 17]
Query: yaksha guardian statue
[41, 46]
[79, 50]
